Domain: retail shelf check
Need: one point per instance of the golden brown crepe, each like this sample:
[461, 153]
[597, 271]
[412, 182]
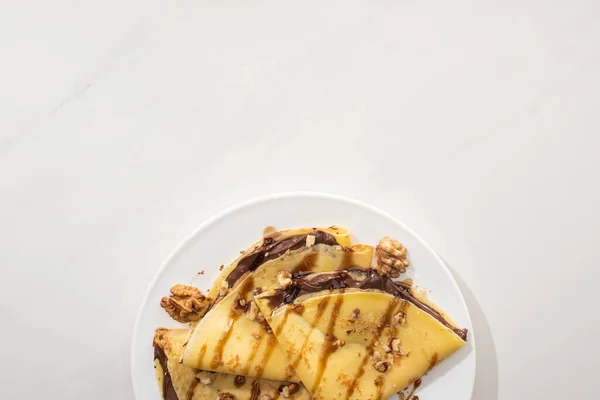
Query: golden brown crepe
[232, 338]
[178, 382]
[304, 307]
[340, 236]
[357, 335]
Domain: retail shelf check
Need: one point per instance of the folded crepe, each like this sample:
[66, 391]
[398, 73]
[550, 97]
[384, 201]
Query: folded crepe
[357, 335]
[233, 336]
[178, 382]
[276, 245]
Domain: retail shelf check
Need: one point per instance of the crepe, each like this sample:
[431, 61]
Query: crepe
[277, 244]
[357, 335]
[232, 338]
[178, 382]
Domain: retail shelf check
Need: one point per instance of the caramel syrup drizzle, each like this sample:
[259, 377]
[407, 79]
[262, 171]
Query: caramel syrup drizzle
[415, 387]
[320, 309]
[247, 285]
[386, 321]
[190, 392]
[201, 355]
[328, 346]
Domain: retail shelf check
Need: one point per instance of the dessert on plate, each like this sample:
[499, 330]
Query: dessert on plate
[304, 314]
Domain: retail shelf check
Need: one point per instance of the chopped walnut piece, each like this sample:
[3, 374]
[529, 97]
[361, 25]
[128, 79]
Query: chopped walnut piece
[399, 318]
[284, 279]
[294, 387]
[223, 288]
[239, 306]
[389, 357]
[310, 240]
[381, 366]
[225, 396]
[377, 355]
[355, 313]
[391, 257]
[204, 377]
[185, 303]
[260, 317]
[288, 390]
[396, 345]
[267, 328]
[386, 348]
[339, 343]
[252, 311]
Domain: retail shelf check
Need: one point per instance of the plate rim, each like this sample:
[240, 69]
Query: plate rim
[273, 197]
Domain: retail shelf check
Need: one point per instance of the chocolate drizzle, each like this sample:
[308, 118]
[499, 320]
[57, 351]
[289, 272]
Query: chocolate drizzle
[304, 283]
[272, 248]
[168, 389]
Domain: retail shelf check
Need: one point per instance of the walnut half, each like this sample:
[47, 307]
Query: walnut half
[185, 303]
[391, 257]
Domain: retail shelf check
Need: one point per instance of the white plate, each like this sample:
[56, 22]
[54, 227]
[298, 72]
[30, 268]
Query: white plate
[219, 240]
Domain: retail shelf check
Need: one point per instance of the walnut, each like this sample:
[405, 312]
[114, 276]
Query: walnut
[310, 240]
[381, 366]
[389, 357]
[260, 317]
[252, 311]
[377, 355]
[339, 343]
[185, 303]
[204, 377]
[288, 390]
[294, 387]
[396, 345]
[391, 257]
[284, 279]
[225, 396]
[267, 328]
[399, 318]
[387, 348]
[223, 288]
[239, 306]
[355, 313]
